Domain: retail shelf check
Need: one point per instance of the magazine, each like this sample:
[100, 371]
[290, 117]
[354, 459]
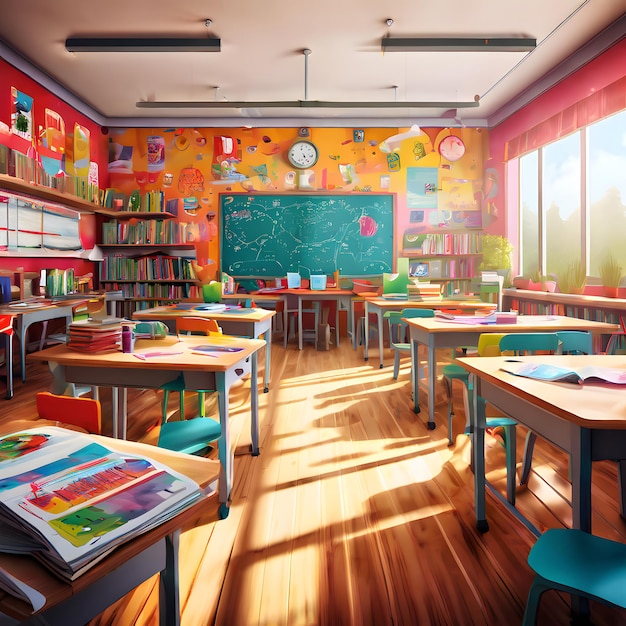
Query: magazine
[553, 373]
[68, 500]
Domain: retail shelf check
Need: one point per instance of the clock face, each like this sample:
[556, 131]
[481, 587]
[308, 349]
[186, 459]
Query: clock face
[303, 154]
[452, 148]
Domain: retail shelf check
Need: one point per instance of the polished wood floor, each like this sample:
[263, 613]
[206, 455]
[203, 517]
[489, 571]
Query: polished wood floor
[354, 513]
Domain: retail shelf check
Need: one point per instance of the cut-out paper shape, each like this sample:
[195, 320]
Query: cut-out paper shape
[392, 144]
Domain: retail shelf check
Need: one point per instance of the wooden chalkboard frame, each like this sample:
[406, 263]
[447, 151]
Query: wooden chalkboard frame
[254, 243]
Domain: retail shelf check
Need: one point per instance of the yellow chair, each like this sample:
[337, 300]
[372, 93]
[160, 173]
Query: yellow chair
[189, 325]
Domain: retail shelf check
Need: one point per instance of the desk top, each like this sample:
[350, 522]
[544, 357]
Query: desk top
[524, 324]
[230, 313]
[469, 305]
[592, 405]
[161, 354]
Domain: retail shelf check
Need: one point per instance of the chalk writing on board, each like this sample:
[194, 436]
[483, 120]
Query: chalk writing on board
[269, 235]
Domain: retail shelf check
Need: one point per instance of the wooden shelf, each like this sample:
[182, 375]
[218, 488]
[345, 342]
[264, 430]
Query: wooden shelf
[37, 192]
[142, 215]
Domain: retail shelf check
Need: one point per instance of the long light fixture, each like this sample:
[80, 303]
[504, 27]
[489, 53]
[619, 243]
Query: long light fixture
[458, 44]
[303, 104]
[142, 44]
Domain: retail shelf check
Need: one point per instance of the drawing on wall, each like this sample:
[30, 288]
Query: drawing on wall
[21, 114]
[421, 187]
[34, 226]
[54, 132]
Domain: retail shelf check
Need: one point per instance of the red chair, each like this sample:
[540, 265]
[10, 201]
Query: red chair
[85, 413]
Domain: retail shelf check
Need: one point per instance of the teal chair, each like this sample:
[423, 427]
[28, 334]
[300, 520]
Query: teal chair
[570, 342]
[577, 563]
[398, 333]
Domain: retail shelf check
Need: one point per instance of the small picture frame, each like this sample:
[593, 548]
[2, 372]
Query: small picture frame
[419, 270]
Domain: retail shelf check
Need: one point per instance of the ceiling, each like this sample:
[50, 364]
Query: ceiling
[262, 59]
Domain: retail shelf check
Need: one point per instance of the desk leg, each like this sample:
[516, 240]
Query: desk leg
[366, 326]
[119, 408]
[621, 487]
[300, 322]
[254, 405]
[477, 421]
[223, 445]
[380, 338]
[21, 332]
[8, 357]
[268, 355]
[169, 599]
[415, 374]
[337, 322]
[432, 380]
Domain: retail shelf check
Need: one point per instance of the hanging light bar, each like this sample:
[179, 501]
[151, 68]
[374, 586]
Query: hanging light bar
[142, 44]
[458, 44]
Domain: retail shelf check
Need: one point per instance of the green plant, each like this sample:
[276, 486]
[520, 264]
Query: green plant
[496, 252]
[574, 277]
[610, 271]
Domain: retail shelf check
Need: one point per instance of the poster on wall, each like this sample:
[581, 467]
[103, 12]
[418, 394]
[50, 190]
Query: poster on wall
[21, 114]
[421, 187]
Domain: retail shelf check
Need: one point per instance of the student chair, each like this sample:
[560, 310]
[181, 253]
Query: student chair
[290, 316]
[571, 342]
[398, 332]
[189, 325]
[85, 413]
[577, 563]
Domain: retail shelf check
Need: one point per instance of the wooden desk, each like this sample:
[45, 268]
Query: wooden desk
[254, 323]
[380, 306]
[121, 371]
[156, 551]
[437, 333]
[30, 312]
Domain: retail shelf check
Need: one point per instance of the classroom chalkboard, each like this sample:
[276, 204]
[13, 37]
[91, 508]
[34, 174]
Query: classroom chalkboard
[268, 235]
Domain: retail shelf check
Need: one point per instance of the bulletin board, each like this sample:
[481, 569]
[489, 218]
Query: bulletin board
[268, 235]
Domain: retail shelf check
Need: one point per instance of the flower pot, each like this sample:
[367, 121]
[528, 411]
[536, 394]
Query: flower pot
[519, 282]
[610, 292]
[549, 286]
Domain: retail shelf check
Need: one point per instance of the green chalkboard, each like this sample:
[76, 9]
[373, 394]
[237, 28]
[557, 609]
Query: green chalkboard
[265, 235]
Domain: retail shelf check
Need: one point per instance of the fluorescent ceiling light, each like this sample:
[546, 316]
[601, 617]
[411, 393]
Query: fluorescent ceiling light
[458, 44]
[305, 104]
[142, 44]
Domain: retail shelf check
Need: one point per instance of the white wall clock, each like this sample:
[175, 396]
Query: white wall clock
[303, 154]
[451, 148]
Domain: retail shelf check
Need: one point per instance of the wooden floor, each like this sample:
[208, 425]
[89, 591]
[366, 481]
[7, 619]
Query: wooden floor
[354, 513]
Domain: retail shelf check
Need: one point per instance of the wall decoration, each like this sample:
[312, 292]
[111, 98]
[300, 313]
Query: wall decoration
[21, 114]
[421, 187]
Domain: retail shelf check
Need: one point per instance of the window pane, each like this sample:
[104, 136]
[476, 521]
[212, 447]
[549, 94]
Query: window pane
[607, 190]
[561, 193]
[529, 206]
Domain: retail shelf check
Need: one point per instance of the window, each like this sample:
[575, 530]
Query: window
[572, 199]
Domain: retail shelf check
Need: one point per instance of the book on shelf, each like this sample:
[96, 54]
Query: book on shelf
[578, 375]
[68, 501]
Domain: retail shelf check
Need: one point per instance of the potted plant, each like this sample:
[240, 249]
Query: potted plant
[574, 279]
[611, 276]
[496, 251]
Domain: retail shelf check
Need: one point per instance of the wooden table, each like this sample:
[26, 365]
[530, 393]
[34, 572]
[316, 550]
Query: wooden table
[380, 305]
[586, 421]
[32, 311]
[233, 320]
[437, 333]
[154, 552]
[121, 371]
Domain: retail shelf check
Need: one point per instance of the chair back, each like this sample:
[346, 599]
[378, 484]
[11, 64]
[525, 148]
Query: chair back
[489, 344]
[575, 341]
[191, 325]
[397, 328]
[530, 343]
[86, 413]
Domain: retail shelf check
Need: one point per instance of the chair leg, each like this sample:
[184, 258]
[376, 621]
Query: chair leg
[529, 446]
[532, 603]
[181, 404]
[166, 397]
[448, 385]
[201, 407]
[511, 453]
[396, 364]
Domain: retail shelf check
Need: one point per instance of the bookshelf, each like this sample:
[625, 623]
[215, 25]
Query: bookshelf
[449, 258]
[146, 257]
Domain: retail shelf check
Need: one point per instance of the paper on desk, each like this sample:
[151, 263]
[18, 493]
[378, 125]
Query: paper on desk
[18, 588]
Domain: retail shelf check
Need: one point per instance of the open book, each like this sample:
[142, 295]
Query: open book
[587, 374]
[68, 501]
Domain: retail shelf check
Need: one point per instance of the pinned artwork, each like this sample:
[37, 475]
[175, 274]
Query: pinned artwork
[21, 114]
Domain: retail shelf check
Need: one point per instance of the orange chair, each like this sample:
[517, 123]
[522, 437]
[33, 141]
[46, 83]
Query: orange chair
[86, 413]
[188, 326]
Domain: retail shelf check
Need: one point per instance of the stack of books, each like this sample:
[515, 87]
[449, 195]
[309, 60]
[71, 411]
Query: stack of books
[95, 335]
[422, 292]
[68, 501]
